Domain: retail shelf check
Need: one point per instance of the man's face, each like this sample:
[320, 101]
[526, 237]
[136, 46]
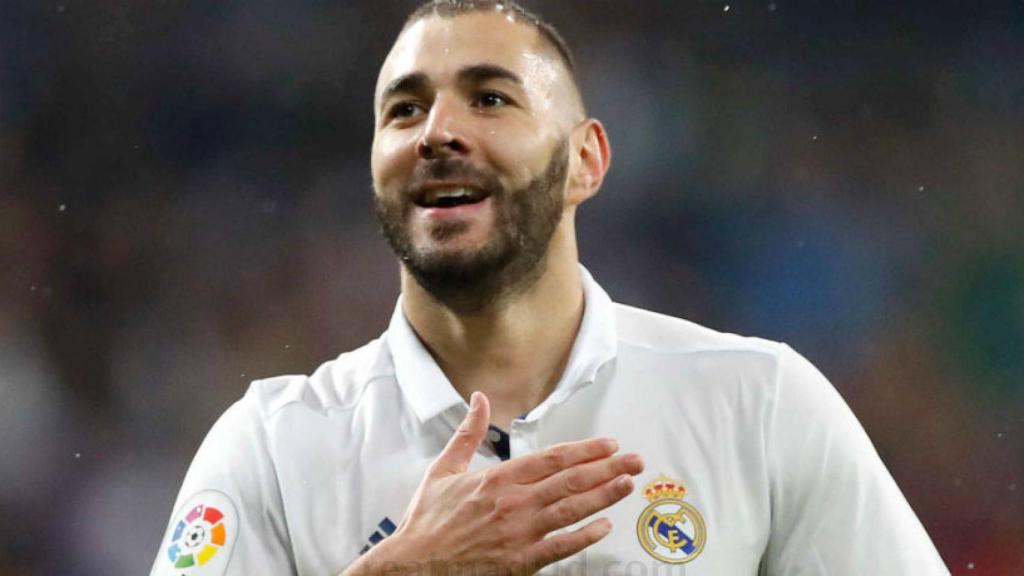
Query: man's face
[470, 153]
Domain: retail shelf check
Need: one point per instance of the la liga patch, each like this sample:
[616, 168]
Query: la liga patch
[201, 537]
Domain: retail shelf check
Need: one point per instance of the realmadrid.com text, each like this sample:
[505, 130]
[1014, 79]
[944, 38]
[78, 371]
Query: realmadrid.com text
[583, 564]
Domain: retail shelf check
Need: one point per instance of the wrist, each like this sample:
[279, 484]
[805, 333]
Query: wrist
[386, 558]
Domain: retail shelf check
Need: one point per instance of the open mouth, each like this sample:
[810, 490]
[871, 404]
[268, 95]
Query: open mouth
[450, 197]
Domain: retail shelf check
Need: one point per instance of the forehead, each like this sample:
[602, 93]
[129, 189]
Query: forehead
[440, 46]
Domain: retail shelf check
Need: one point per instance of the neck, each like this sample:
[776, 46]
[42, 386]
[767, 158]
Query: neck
[515, 350]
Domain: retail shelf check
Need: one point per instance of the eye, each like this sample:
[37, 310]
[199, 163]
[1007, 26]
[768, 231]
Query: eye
[405, 110]
[492, 100]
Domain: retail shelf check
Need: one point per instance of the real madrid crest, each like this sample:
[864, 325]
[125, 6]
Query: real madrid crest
[670, 529]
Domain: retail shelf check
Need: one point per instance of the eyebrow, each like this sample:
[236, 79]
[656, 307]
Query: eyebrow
[409, 83]
[479, 73]
[475, 74]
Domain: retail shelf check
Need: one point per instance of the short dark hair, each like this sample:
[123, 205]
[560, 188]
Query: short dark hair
[450, 8]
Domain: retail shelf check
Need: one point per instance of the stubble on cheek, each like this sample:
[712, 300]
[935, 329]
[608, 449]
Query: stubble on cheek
[392, 215]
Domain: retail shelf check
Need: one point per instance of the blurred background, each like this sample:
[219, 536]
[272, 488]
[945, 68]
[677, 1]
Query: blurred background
[185, 205]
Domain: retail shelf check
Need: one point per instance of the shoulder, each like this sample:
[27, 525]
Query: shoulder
[336, 385]
[667, 334]
[715, 357]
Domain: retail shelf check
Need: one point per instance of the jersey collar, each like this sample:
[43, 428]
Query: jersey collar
[430, 393]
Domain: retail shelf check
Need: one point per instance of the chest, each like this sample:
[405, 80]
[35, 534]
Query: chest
[700, 507]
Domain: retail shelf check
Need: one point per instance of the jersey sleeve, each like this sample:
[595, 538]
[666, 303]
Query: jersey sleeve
[835, 507]
[228, 518]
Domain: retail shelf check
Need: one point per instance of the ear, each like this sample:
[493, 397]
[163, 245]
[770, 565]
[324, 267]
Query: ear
[591, 157]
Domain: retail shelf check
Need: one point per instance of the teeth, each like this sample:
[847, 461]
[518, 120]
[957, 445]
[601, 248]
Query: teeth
[453, 193]
[433, 196]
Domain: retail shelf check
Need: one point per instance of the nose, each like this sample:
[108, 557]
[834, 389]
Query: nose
[442, 133]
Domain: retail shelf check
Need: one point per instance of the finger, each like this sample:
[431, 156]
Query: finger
[583, 477]
[455, 457]
[562, 546]
[571, 510]
[536, 467]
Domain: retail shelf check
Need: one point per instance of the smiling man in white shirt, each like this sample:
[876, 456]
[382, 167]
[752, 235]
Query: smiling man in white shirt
[512, 418]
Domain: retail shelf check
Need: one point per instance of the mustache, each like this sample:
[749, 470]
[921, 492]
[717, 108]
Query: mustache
[451, 169]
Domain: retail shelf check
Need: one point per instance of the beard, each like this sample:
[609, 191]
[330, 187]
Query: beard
[512, 258]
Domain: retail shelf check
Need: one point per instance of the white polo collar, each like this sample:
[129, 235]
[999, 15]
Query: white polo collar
[430, 392]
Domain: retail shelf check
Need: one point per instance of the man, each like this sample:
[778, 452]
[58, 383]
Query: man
[746, 459]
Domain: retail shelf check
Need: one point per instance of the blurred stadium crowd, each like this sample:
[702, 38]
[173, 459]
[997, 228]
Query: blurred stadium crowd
[185, 205]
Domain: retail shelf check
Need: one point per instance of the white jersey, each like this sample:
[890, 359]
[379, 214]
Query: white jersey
[754, 464]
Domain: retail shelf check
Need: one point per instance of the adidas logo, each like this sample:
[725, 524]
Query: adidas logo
[387, 527]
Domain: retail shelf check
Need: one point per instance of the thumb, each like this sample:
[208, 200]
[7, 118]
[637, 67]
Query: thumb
[455, 457]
